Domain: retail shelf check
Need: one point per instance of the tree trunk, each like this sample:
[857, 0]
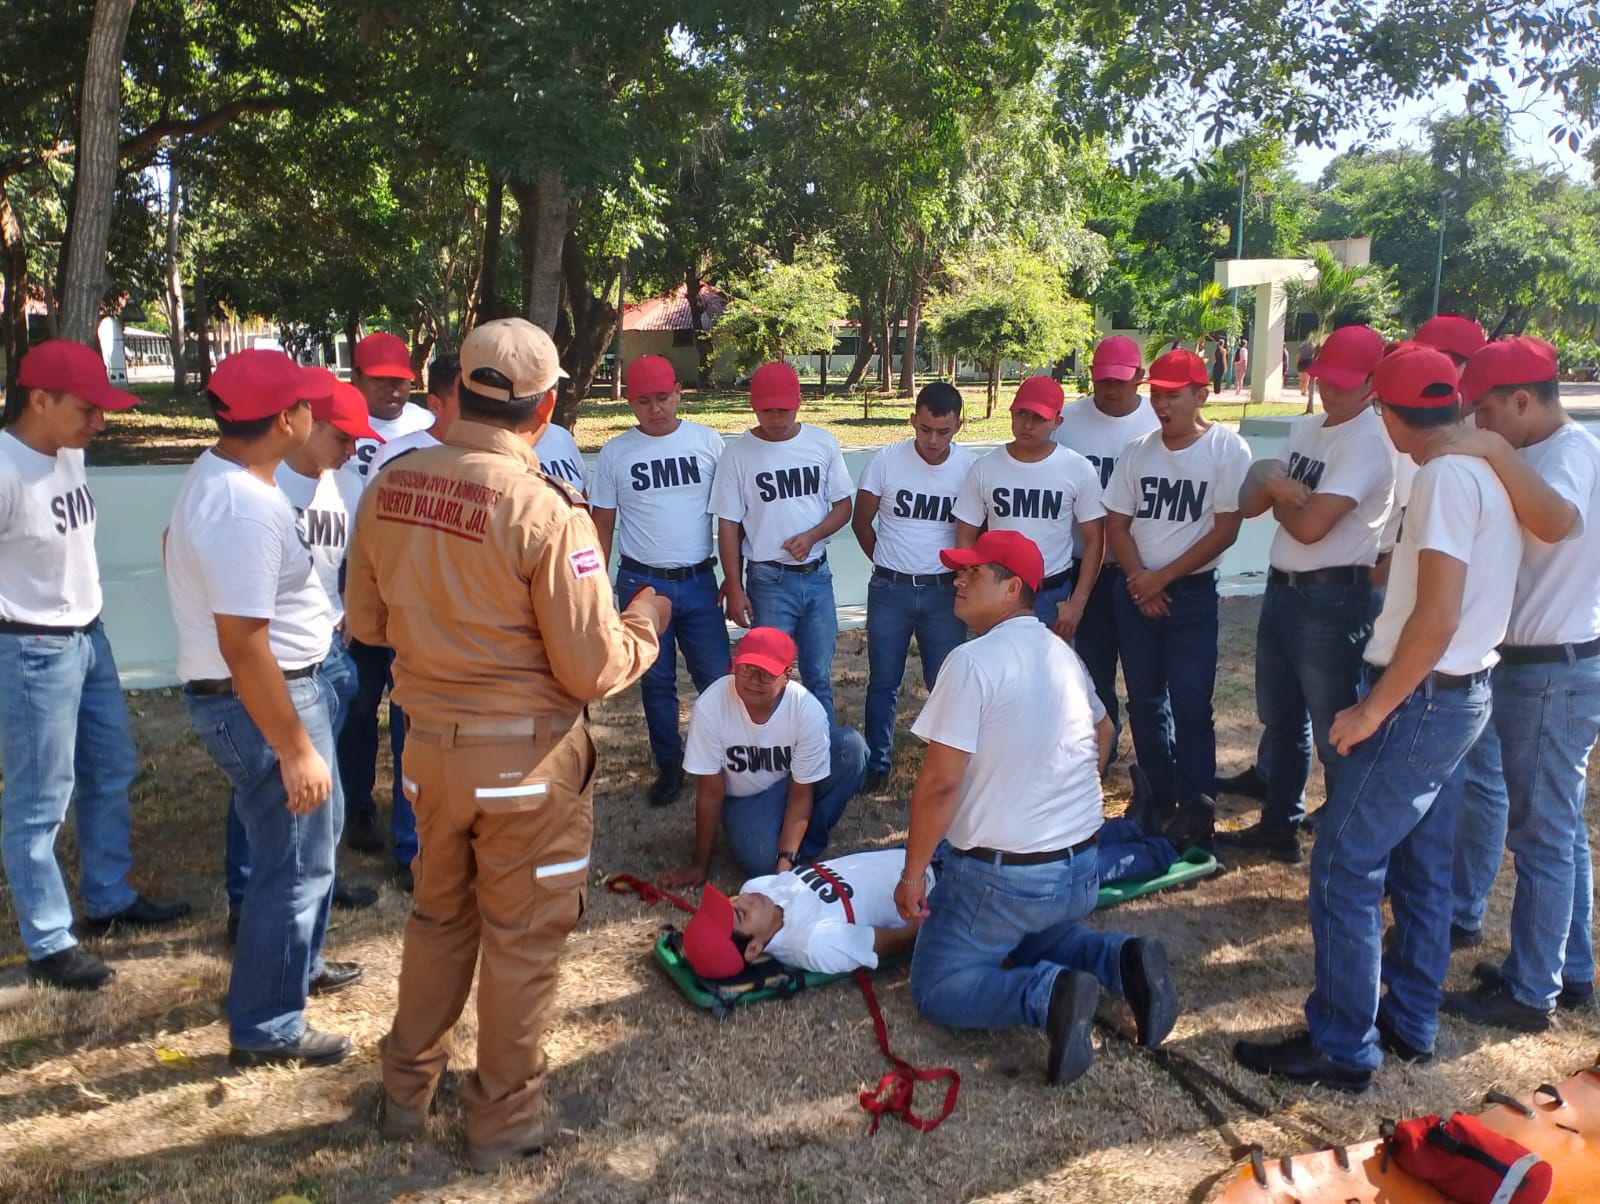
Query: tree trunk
[886, 357]
[545, 238]
[593, 324]
[908, 357]
[994, 387]
[352, 334]
[490, 305]
[827, 353]
[202, 316]
[14, 309]
[174, 282]
[866, 345]
[616, 345]
[525, 238]
[697, 320]
[94, 181]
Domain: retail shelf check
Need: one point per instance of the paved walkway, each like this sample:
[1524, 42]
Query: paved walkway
[1575, 395]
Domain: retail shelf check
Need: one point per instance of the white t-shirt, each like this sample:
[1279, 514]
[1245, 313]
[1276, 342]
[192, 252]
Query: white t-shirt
[414, 441]
[1100, 438]
[1175, 496]
[1405, 471]
[1458, 507]
[48, 572]
[325, 512]
[816, 934]
[660, 487]
[1351, 460]
[559, 456]
[233, 549]
[1018, 700]
[1044, 500]
[794, 742]
[411, 417]
[916, 510]
[778, 490]
[1558, 586]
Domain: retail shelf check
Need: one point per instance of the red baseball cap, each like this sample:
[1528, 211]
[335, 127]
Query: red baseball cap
[259, 383]
[708, 937]
[1416, 377]
[1520, 360]
[765, 648]
[381, 354]
[62, 366]
[346, 409]
[650, 374]
[775, 386]
[1116, 358]
[1009, 549]
[1178, 369]
[1039, 395]
[1348, 357]
[1452, 334]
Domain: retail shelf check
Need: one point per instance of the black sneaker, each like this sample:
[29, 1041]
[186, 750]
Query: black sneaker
[71, 970]
[1299, 1061]
[141, 913]
[1394, 1044]
[1492, 1004]
[405, 879]
[1574, 995]
[1068, 1024]
[335, 977]
[1248, 784]
[874, 782]
[1147, 986]
[312, 1049]
[667, 786]
[363, 834]
[1278, 845]
[352, 898]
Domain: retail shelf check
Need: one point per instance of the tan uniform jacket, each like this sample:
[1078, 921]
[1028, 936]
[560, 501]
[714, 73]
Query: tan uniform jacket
[485, 577]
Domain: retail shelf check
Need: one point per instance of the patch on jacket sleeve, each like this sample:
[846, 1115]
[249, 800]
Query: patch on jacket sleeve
[585, 562]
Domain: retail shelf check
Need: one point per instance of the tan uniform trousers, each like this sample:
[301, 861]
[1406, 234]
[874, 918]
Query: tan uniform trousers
[504, 824]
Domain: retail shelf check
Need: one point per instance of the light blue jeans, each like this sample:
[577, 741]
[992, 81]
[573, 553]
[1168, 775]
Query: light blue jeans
[754, 822]
[64, 736]
[800, 604]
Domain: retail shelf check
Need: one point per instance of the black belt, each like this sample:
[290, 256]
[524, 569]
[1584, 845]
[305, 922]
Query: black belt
[1548, 654]
[681, 574]
[913, 578]
[1000, 857]
[7, 627]
[1343, 574]
[1054, 579]
[207, 686]
[810, 566]
[1439, 681]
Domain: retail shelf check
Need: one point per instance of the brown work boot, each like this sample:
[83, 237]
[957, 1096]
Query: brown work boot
[401, 1123]
[558, 1121]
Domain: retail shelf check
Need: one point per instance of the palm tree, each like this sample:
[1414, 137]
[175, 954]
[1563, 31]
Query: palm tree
[1193, 318]
[1363, 293]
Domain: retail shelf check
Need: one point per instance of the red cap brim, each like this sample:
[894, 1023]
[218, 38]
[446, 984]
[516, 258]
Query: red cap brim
[770, 663]
[1042, 408]
[1113, 372]
[1339, 378]
[111, 398]
[356, 428]
[394, 370]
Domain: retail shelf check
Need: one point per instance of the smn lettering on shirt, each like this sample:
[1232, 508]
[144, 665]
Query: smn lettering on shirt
[1026, 503]
[1305, 470]
[665, 474]
[825, 886]
[324, 528]
[931, 508]
[1104, 465]
[750, 758]
[420, 499]
[73, 510]
[789, 482]
[1180, 501]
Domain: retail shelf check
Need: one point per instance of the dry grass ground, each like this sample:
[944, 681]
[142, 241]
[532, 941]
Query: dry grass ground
[128, 1095]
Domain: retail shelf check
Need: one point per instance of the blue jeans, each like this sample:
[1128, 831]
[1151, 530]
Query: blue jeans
[358, 748]
[699, 629]
[997, 936]
[340, 672]
[284, 916]
[1045, 601]
[1480, 830]
[1096, 642]
[1391, 816]
[754, 822]
[800, 604]
[1170, 666]
[897, 610]
[63, 735]
[1309, 642]
[1126, 854]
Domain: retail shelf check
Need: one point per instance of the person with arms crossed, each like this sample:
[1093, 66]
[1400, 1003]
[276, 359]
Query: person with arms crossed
[254, 628]
[485, 576]
[652, 495]
[1011, 779]
[64, 732]
[781, 491]
[911, 593]
[1389, 823]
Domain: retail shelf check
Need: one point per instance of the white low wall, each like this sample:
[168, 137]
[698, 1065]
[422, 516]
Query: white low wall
[133, 506]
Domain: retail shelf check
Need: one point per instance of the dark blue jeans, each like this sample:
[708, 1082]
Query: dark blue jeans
[897, 610]
[1126, 854]
[754, 822]
[800, 604]
[698, 628]
[358, 748]
[1046, 600]
[1096, 642]
[1170, 666]
[1309, 642]
[1391, 818]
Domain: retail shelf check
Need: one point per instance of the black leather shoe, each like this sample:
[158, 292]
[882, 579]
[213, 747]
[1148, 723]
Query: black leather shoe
[1492, 1004]
[667, 786]
[141, 913]
[1248, 784]
[233, 926]
[405, 879]
[1395, 1045]
[1073, 1000]
[335, 977]
[312, 1049]
[1147, 986]
[1574, 995]
[363, 834]
[1194, 826]
[1280, 846]
[1148, 813]
[71, 970]
[352, 898]
[874, 782]
[1299, 1061]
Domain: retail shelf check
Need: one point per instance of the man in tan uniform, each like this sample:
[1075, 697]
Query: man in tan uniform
[485, 577]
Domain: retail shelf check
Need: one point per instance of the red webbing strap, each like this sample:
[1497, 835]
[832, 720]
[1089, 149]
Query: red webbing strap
[649, 893]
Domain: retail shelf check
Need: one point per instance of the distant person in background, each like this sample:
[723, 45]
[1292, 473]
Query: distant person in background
[1304, 355]
[1219, 363]
[1241, 364]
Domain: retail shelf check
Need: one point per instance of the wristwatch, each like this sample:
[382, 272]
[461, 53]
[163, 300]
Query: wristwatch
[792, 858]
